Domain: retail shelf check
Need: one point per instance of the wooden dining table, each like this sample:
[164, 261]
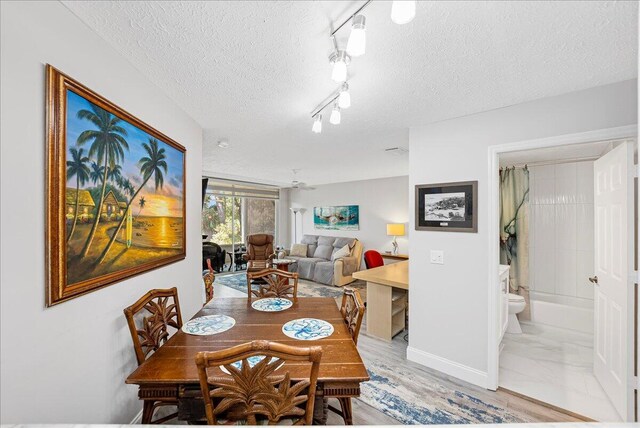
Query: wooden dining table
[171, 373]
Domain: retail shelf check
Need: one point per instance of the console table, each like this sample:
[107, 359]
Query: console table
[386, 298]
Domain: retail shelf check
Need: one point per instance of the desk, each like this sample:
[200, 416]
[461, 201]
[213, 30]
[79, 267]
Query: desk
[386, 298]
[171, 372]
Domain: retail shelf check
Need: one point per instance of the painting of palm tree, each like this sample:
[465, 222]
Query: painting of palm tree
[141, 202]
[113, 163]
[97, 172]
[107, 145]
[77, 167]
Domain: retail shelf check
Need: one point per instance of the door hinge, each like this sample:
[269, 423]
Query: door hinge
[635, 382]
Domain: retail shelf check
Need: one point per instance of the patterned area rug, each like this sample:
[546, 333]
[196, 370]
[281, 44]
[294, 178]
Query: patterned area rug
[401, 389]
[305, 288]
[396, 390]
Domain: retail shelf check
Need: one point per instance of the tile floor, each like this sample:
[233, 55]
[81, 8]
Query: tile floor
[555, 366]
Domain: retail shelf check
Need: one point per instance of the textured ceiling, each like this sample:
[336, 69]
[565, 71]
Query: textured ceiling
[251, 72]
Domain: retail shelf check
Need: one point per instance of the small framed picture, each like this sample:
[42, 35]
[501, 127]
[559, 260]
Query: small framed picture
[447, 207]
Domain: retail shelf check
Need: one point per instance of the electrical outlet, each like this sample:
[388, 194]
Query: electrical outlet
[437, 257]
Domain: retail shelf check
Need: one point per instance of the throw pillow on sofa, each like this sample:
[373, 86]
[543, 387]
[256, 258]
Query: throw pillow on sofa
[342, 252]
[323, 252]
[299, 250]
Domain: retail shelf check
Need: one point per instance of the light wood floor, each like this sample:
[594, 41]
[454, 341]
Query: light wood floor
[367, 415]
[397, 349]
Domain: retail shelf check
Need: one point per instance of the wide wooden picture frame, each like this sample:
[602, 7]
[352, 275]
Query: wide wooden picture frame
[115, 192]
[447, 207]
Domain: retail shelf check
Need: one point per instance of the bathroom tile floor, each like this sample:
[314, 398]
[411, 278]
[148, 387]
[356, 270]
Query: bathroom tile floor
[555, 366]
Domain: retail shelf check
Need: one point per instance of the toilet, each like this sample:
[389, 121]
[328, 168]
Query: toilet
[516, 305]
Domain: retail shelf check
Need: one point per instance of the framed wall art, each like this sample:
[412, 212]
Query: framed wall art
[447, 207]
[345, 217]
[115, 192]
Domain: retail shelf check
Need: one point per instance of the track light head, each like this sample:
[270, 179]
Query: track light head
[358, 38]
[403, 11]
[317, 124]
[344, 98]
[339, 59]
[334, 119]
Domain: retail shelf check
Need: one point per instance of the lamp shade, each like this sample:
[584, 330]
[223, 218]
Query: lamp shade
[395, 229]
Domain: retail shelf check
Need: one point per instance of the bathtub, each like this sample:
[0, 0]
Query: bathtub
[572, 313]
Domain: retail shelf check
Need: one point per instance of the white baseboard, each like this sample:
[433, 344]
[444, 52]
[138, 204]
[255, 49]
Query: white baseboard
[137, 419]
[460, 371]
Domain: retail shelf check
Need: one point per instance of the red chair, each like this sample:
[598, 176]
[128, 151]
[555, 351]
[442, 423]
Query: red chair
[373, 259]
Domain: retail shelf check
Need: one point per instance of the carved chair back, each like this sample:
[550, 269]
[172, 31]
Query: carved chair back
[272, 283]
[352, 310]
[208, 279]
[261, 392]
[158, 310]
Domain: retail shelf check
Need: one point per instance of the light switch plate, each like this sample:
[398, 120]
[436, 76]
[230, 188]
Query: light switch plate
[437, 257]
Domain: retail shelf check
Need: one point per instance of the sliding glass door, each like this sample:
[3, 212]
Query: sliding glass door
[234, 210]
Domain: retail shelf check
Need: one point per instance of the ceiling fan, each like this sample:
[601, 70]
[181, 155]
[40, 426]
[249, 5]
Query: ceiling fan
[295, 184]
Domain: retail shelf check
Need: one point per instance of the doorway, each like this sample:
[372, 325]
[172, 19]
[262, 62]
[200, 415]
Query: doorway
[564, 351]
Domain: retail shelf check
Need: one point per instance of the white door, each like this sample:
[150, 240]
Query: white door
[613, 202]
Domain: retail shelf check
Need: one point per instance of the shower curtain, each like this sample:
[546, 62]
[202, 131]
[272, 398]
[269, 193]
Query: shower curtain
[514, 228]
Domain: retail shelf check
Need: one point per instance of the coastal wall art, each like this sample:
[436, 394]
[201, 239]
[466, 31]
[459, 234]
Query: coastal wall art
[345, 217]
[448, 207]
[115, 192]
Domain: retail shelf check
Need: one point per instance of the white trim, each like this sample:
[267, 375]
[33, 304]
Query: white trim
[494, 248]
[452, 368]
[137, 419]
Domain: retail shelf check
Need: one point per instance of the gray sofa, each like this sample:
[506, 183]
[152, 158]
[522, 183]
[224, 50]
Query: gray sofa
[317, 265]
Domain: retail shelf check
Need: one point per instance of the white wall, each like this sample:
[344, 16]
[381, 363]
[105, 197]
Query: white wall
[449, 303]
[381, 201]
[68, 363]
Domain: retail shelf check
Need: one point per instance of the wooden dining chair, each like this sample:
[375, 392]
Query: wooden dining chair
[208, 279]
[252, 394]
[272, 283]
[150, 320]
[352, 310]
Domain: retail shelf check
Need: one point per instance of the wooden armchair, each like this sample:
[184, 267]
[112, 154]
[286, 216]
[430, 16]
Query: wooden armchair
[154, 313]
[208, 279]
[272, 283]
[251, 394]
[352, 310]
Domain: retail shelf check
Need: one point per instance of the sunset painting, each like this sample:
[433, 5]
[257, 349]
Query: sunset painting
[123, 202]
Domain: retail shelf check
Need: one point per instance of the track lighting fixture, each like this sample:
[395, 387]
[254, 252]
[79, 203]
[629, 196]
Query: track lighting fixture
[344, 99]
[334, 119]
[339, 59]
[317, 124]
[358, 37]
[403, 11]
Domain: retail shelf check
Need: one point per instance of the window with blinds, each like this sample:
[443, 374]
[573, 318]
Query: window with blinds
[220, 187]
[233, 210]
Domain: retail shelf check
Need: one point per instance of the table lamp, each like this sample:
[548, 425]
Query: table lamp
[395, 230]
